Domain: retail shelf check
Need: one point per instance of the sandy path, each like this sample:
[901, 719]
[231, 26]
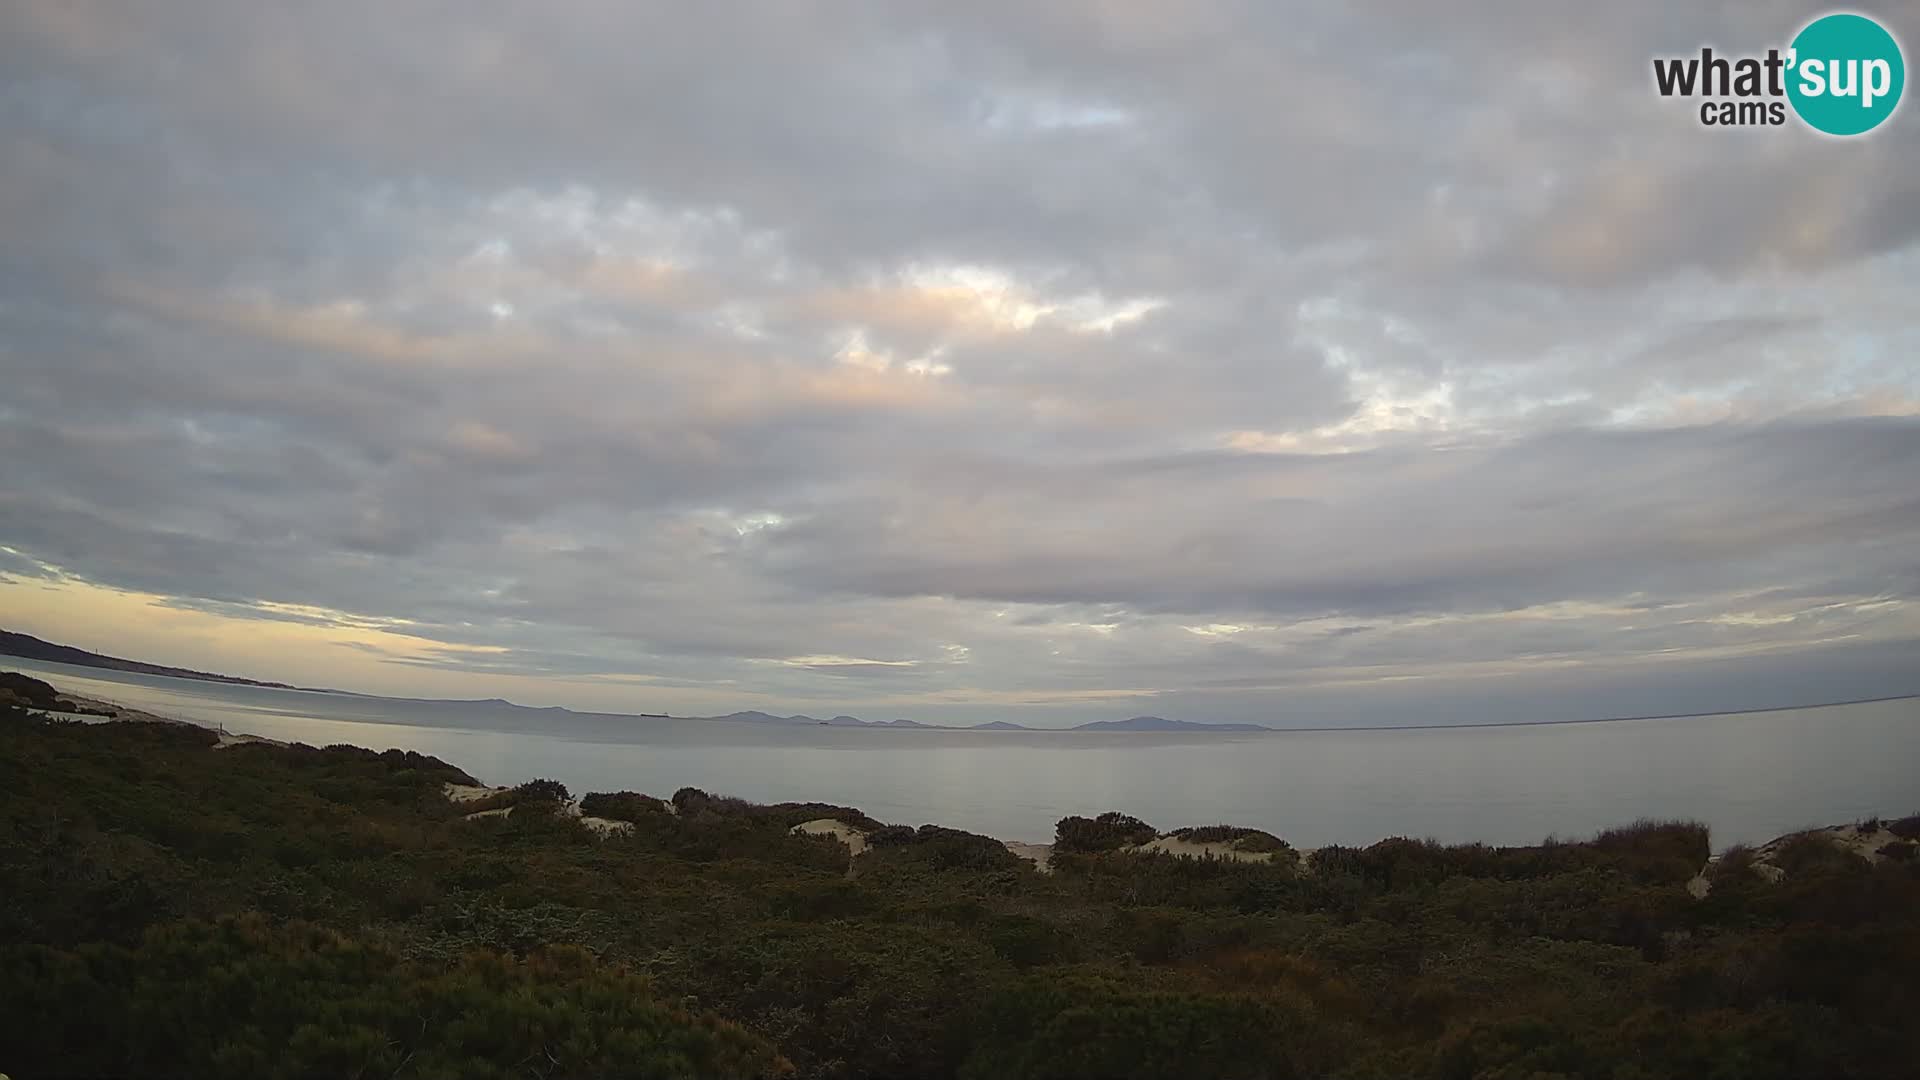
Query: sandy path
[466, 793]
[1040, 855]
[459, 793]
[855, 839]
[1187, 849]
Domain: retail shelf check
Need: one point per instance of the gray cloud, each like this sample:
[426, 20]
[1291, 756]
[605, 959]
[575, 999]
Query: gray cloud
[1071, 355]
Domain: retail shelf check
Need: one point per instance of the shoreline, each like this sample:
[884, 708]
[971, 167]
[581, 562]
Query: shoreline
[1203, 729]
[1850, 837]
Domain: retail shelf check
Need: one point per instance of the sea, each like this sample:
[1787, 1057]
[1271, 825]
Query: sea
[1749, 776]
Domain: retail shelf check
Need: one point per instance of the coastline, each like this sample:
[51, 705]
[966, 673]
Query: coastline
[1858, 838]
[1222, 731]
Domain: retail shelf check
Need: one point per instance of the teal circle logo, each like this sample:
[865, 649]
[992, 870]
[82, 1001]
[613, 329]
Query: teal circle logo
[1846, 74]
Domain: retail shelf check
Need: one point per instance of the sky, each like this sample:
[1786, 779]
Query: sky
[1303, 364]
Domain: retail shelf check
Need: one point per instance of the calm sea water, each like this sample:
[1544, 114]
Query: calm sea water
[1750, 776]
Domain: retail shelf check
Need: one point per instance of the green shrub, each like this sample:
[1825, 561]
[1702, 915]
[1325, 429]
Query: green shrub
[541, 791]
[621, 805]
[692, 802]
[941, 848]
[243, 998]
[1656, 850]
[1108, 832]
[1242, 838]
[1734, 864]
[891, 836]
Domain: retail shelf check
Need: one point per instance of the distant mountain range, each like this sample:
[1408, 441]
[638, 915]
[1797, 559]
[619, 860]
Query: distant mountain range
[1161, 723]
[1138, 723]
[28, 647]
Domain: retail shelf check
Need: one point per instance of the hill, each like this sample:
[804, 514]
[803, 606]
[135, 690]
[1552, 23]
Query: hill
[28, 647]
[1161, 723]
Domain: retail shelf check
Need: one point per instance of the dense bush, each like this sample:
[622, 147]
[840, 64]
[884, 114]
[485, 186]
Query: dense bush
[298, 911]
[541, 791]
[1090, 1028]
[891, 836]
[1735, 863]
[1657, 850]
[692, 802]
[1108, 832]
[1252, 841]
[244, 998]
[621, 805]
[956, 848]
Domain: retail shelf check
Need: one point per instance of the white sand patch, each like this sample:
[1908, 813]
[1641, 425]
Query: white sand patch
[1865, 843]
[855, 839]
[606, 826]
[1187, 849]
[602, 826]
[1040, 855]
[1849, 838]
[460, 793]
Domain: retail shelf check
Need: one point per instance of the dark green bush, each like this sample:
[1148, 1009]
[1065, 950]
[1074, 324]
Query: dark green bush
[1242, 839]
[243, 998]
[1108, 832]
[941, 848]
[621, 805]
[541, 791]
[891, 836]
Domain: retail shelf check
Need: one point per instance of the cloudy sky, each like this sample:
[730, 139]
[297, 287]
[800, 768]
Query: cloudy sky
[1053, 361]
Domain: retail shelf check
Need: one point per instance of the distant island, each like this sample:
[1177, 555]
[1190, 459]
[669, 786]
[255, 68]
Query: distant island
[1161, 723]
[28, 647]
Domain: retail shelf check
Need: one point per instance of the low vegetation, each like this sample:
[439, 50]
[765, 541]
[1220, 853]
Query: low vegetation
[622, 805]
[1255, 841]
[1108, 832]
[294, 911]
